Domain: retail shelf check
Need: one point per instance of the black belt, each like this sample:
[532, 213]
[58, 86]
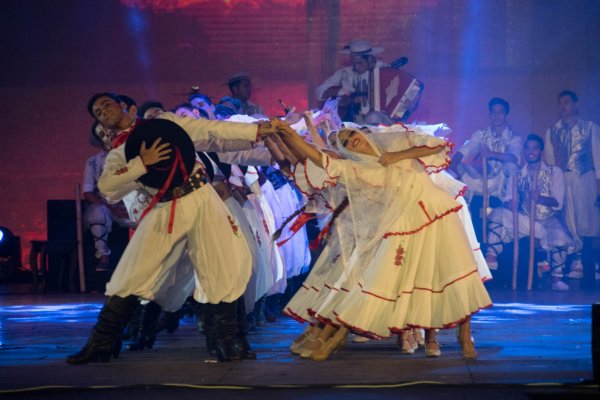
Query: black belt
[195, 181]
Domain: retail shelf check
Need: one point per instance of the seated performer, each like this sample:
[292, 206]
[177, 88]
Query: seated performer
[99, 214]
[548, 196]
[502, 150]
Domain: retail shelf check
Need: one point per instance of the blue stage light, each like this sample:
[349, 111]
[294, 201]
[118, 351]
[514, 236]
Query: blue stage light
[6, 236]
[10, 253]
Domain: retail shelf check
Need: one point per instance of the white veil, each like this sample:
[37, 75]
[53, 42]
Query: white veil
[378, 194]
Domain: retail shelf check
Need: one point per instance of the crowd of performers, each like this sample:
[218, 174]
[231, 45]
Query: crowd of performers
[220, 198]
[226, 225]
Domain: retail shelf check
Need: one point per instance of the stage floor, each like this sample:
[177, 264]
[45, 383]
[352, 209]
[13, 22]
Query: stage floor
[534, 344]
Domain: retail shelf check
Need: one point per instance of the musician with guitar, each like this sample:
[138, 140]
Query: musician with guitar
[352, 83]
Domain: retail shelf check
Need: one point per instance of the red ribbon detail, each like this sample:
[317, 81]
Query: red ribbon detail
[297, 225]
[314, 244]
[178, 163]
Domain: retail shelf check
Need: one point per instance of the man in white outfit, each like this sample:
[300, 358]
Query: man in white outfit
[188, 216]
[549, 226]
[573, 145]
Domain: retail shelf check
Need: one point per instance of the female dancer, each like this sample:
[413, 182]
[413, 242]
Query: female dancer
[419, 269]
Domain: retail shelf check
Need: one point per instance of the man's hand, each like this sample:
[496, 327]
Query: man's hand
[266, 128]
[156, 153]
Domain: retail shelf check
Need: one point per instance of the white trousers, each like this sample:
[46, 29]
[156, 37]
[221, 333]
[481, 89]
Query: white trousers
[205, 229]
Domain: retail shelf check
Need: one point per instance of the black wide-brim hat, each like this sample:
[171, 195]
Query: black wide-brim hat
[169, 132]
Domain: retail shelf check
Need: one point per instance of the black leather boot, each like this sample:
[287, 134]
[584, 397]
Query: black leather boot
[241, 336]
[105, 339]
[133, 325]
[147, 320]
[205, 317]
[169, 321]
[199, 313]
[259, 312]
[225, 320]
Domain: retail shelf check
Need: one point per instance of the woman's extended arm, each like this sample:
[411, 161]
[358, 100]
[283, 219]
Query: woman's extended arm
[298, 145]
[387, 159]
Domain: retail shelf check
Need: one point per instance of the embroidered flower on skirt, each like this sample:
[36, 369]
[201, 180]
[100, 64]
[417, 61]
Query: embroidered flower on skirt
[399, 255]
[234, 227]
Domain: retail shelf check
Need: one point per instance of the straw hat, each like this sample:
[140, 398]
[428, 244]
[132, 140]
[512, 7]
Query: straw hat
[360, 47]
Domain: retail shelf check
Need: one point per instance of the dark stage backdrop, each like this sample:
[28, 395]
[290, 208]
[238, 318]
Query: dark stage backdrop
[57, 53]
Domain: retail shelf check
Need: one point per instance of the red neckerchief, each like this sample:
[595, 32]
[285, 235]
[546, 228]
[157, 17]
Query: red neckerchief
[122, 136]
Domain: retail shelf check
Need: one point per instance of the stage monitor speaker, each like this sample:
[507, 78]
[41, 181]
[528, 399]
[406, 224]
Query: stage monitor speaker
[62, 221]
[62, 245]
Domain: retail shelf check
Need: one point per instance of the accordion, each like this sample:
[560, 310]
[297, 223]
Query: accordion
[394, 92]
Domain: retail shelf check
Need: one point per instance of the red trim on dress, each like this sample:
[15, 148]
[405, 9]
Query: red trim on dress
[446, 144]
[437, 217]
[443, 287]
[420, 288]
[461, 193]
[445, 326]
[422, 205]
[359, 331]
[434, 169]
[396, 330]
[379, 297]
[331, 288]
[288, 311]
[326, 321]
[327, 169]
[307, 178]
[293, 173]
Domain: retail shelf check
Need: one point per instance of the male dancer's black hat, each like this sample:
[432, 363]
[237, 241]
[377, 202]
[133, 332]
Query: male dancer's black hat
[148, 131]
